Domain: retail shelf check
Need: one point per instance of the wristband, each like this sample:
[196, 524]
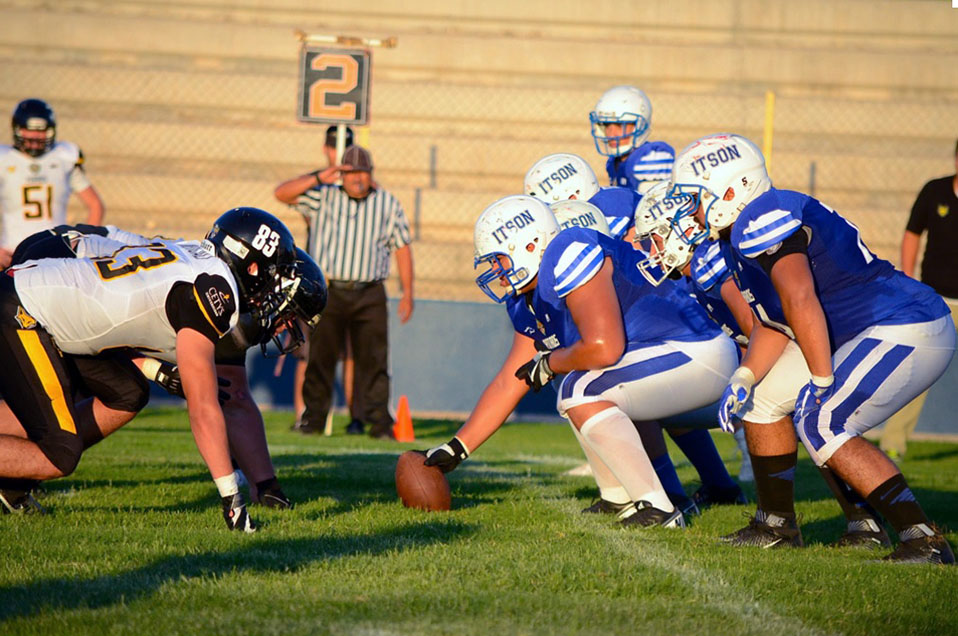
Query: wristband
[823, 381]
[316, 175]
[227, 485]
[150, 368]
[744, 376]
[463, 444]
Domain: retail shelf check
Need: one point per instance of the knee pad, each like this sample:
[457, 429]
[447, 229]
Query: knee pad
[63, 449]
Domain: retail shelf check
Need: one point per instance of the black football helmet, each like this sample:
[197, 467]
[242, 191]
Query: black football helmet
[260, 253]
[306, 300]
[309, 299]
[34, 114]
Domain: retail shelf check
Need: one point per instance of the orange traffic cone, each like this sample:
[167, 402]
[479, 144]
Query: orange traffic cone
[402, 429]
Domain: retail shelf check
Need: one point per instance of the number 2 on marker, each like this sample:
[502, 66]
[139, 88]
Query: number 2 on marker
[320, 88]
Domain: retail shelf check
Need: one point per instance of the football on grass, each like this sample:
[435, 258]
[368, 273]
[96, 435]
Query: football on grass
[421, 486]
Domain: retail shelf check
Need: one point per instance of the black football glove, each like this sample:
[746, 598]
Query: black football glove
[234, 512]
[447, 456]
[536, 372]
[269, 494]
[168, 377]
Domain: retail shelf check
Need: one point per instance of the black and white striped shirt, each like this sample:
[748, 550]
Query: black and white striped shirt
[351, 239]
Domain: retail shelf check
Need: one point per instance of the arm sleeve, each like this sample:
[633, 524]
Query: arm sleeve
[207, 306]
[918, 220]
[796, 243]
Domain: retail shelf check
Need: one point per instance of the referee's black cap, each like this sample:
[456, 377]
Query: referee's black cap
[358, 158]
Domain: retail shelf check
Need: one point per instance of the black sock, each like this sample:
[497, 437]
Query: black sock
[853, 505]
[775, 483]
[896, 502]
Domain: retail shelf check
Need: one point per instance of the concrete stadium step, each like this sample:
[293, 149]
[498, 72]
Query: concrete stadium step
[464, 54]
[819, 21]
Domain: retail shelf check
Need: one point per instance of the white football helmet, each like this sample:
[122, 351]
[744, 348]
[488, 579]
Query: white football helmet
[559, 177]
[660, 235]
[575, 213]
[623, 105]
[511, 236]
[724, 172]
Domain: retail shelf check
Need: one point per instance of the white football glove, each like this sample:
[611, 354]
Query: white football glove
[735, 396]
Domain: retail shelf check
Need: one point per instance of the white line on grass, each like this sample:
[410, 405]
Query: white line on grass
[709, 586]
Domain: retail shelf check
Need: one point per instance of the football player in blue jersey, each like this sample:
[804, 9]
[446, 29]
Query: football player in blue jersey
[766, 416]
[565, 176]
[620, 126]
[873, 338]
[628, 350]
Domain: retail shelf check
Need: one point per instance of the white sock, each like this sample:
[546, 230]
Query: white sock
[612, 436]
[609, 487]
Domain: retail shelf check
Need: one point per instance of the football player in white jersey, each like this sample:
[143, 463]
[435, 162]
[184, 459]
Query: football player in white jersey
[173, 299]
[113, 380]
[37, 175]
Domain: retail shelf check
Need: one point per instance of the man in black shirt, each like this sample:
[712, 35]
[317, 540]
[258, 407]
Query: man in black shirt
[935, 211]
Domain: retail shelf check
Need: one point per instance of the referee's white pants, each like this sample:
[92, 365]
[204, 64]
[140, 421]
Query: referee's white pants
[876, 373]
[655, 381]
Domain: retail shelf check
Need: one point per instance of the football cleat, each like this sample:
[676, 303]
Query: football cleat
[921, 544]
[269, 494]
[708, 495]
[603, 506]
[767, 530]
[684, 503]
[863, 533]
[645, 515]
[19, 502]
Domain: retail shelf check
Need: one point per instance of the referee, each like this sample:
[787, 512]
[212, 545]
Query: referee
[355, 228]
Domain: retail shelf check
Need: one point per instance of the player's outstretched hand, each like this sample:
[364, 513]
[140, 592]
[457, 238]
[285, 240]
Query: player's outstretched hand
[235, 514]
[447, 456]
[536, 372]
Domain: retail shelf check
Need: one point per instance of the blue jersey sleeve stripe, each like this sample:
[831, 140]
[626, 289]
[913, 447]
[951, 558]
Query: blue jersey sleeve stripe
[714, 272]
[618, 226]
[771, 236]
[766, 230]
[579, 272]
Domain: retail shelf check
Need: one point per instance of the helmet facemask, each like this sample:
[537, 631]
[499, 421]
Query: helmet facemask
[34, 115]
[628, 107]
[634, 130]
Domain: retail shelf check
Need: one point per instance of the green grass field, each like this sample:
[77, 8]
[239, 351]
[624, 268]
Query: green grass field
[135, 544]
